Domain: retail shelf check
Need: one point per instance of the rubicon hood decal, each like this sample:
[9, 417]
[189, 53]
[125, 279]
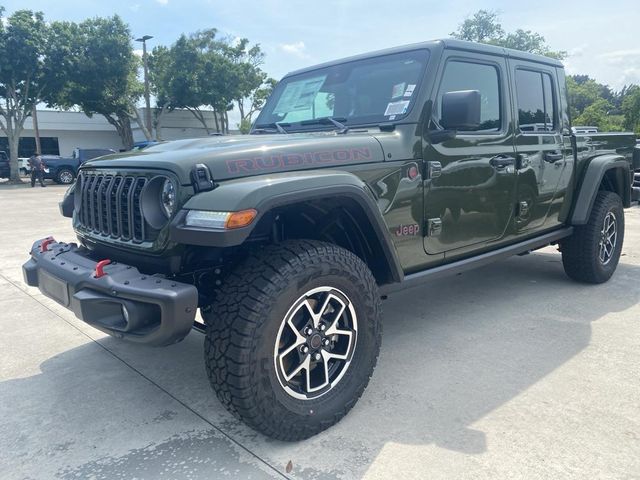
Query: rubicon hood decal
[292, 161]
[246, 155]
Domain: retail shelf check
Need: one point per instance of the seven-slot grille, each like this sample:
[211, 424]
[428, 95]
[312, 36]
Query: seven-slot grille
[636, 179]
[110, 205]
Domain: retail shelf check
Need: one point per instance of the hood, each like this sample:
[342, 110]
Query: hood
[247, 155]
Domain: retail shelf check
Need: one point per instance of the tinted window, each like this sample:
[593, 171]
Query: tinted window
[27, 146]
[474, 76]
[536, 105]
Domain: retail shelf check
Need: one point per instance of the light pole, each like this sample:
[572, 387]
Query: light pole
[145, 64]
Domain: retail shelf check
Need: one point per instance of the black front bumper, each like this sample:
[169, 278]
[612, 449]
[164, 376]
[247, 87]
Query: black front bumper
[123, 302]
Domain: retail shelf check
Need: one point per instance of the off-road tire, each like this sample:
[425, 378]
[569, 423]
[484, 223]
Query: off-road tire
[243, 324]
[580, 251]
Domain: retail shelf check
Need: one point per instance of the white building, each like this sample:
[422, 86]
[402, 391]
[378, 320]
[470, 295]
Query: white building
[61, 132]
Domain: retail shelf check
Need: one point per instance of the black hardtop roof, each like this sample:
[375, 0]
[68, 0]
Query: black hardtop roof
[449, 43]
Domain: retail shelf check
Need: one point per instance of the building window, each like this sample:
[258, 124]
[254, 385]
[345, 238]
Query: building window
[27, 146]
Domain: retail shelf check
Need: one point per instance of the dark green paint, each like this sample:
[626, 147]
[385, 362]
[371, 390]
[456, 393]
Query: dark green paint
[478, 204]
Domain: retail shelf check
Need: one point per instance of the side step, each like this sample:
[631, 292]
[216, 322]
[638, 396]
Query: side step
[465, 264]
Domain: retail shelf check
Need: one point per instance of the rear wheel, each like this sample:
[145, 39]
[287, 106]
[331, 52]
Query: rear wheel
[65, 176]
[293, 337]
[592, 253]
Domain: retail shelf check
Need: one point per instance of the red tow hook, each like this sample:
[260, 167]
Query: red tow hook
[100, 268]
[44, 246]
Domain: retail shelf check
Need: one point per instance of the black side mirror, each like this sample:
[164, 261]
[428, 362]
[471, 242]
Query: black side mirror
[461, 110]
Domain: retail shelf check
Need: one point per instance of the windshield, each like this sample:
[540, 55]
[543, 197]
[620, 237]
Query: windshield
[372, 90]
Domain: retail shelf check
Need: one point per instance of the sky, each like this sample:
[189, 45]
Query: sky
[601, 37]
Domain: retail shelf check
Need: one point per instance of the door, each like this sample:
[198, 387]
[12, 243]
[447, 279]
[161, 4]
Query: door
[470, 202]
[541, 182]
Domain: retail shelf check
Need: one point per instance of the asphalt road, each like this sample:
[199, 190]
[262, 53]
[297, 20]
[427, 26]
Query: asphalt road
[509, 371]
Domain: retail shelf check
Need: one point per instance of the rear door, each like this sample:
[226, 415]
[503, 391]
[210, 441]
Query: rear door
[469, 204]
[541, 179]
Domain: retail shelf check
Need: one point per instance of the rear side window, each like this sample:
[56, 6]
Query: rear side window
[536, 105]
[474, 76]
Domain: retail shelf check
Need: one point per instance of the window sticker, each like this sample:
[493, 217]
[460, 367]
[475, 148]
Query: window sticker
[397, 108]
[392, 117]
[299, 95]
[397, 90]
[409, 91]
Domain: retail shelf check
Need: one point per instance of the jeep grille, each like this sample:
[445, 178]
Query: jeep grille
[110, 206]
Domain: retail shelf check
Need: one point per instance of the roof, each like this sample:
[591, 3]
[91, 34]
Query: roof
[449, 43]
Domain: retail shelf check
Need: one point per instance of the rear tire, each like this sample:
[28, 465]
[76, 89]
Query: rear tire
[592, 253]
[65, 176]
[317, 301]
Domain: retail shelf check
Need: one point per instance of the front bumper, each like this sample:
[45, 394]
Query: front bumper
[122, 302]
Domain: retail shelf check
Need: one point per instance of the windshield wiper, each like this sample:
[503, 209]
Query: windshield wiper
[277, 125]
[342, 128]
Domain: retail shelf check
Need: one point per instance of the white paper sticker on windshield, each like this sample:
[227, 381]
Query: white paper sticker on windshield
[397, 90]
[397, 108]
[409, 91]
[299, 95]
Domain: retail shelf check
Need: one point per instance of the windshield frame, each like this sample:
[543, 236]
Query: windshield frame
[261, 123]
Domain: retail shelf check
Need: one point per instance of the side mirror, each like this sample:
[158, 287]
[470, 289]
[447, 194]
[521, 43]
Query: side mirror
[461, 110]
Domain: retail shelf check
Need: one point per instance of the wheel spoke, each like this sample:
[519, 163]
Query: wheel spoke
[325, 372]
[304, 365]
[299, 341]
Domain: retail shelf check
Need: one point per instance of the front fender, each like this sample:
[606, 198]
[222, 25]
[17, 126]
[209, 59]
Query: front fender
[591, 180]
[265, 193]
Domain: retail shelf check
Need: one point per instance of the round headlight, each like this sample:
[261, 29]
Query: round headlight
[168, 197]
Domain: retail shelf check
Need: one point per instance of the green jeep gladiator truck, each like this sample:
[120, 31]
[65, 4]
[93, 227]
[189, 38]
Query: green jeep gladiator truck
[360, 177]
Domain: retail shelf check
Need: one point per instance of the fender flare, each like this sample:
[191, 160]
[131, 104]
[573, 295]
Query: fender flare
[264, 193]
[591, 181]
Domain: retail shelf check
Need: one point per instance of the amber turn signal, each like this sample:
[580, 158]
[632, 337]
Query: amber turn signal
[240, 219]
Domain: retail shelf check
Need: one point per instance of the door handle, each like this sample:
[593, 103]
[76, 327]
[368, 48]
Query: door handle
[553, 156]
[502, 161]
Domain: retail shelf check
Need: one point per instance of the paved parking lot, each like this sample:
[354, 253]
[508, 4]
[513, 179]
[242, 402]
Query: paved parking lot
[509, 371]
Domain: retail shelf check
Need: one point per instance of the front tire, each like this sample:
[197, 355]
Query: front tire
[592, 252]
[293, 337]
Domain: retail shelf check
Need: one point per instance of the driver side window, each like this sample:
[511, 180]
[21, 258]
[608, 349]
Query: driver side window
[459, 75]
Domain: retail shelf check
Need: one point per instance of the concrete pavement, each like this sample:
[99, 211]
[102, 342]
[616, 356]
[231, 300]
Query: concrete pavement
[509, 371]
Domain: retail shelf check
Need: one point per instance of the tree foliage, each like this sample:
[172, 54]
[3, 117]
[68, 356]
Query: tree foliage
[99, 72]
[201, 71]
[24, 64]
[485, 27]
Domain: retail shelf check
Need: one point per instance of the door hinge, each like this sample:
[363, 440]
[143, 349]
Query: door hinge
[434, 170]
[434, 227]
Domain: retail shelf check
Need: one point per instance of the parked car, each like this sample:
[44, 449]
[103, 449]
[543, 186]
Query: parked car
[582, 130]
[144, 144]
[64, 169]
[361, 177]
[4, 165]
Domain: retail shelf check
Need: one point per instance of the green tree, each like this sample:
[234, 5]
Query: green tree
[631, 108]
[100, 71]
[202, 70]
[23, 65]
[256, 100]
[485, 27]
[598, 114]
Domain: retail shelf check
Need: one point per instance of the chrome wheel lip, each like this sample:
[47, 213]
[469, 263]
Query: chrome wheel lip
[310, 358]
[66, 177]
[608, 238]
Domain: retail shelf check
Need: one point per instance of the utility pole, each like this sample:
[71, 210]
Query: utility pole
[147, 98]
[36, 130]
